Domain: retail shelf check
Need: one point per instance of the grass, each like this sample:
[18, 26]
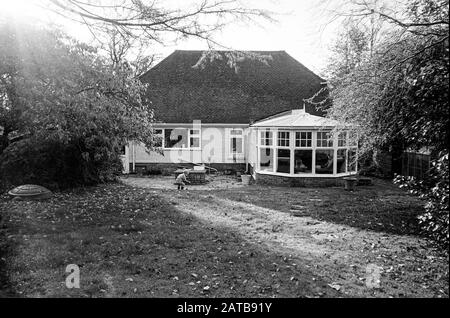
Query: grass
[131, 243]
[135, 242]
[381, 207]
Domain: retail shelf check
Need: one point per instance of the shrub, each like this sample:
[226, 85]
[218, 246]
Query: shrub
[152, 171]
[435, 190]
[58, 165]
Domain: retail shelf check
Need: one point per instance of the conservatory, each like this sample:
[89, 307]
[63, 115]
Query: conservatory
[297, 145]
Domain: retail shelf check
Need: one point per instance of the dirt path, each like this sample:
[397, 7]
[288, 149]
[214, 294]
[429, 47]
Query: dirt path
[356, 262]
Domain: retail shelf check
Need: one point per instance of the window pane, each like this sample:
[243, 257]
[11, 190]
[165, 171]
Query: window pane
[324, 161]
[175, 138]
[236, 132]
[342, 139]
[352, 160]
[157, 138]
[303, 139]
[194, 131]
[341, 160]
[302, 161]
[266, 138]
[352, 139]
[266, 159]
[284, 160]
[195, 142]
[236, 145]
[283, 139]
[324, 139]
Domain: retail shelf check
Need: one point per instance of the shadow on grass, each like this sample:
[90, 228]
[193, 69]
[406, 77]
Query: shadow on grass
[129, 242]
[7, 247]
[381, 207]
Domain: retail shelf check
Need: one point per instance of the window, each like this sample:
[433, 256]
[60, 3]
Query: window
[352, 160]
[342, 139]
[266, 138]
[283, 138]
[158, 138]
[266, 159]
[284, 161]
[175, 138]
[341, 160]
[194, 138]
[353, 139]
[324, 139]
[236, 141]
[302, 161]
[324, 161]
[303, 139]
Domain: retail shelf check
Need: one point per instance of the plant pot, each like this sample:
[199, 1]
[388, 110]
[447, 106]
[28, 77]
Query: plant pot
[245, 178]
[350, 184]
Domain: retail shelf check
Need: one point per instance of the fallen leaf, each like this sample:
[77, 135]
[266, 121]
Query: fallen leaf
[335, 286]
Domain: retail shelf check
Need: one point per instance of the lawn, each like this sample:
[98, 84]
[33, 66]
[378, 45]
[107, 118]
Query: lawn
[132, 240]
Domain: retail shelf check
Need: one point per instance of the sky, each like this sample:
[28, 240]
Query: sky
[301, 29]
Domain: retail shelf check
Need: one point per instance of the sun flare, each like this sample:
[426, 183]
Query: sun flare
[17, 8]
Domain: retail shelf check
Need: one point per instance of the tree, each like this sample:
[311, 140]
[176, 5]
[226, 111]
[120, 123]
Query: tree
[354, 44]
[157, 20]
[398, 96]
[62, 97]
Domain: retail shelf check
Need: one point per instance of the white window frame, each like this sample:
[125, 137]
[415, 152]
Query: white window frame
[160, 135]
[340, 139]
[259, 158]
[265, 141]
[188, 143]
[197, 135]
[238, 136]
[329, 140]
[288, 138]
[301, 139]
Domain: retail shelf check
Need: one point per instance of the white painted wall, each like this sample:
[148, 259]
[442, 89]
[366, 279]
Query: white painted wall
[215, 148]
[251, 148]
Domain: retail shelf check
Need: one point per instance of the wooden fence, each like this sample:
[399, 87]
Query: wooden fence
[415, 164]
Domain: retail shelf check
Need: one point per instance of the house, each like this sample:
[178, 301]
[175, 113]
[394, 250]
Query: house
[249, 115]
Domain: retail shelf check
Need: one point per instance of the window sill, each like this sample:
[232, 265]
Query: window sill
[306, 175]
[177, 149]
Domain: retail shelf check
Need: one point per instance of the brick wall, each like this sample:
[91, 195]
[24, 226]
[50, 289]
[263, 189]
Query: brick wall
[266, 179]
[169, 168]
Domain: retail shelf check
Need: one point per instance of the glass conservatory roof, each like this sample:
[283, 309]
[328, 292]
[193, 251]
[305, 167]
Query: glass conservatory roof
[296, 118]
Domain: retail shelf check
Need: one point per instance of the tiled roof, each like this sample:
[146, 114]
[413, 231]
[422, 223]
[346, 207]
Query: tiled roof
[218, 93]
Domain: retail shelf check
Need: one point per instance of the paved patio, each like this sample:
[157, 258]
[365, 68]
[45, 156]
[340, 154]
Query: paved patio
[214, 182]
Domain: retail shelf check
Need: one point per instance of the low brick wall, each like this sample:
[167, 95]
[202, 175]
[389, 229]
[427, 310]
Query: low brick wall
[169, 168]
[267, 179]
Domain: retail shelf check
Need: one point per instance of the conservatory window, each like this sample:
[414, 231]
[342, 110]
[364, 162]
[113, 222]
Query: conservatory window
[284, 160]
[266, 159]
[342, 139]
[302, 161]
[303, 139]
[352, 157]
[324, 139]
[194, 138]
[266, 138]
[283, 138]
[341, 160]
[324, 161]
